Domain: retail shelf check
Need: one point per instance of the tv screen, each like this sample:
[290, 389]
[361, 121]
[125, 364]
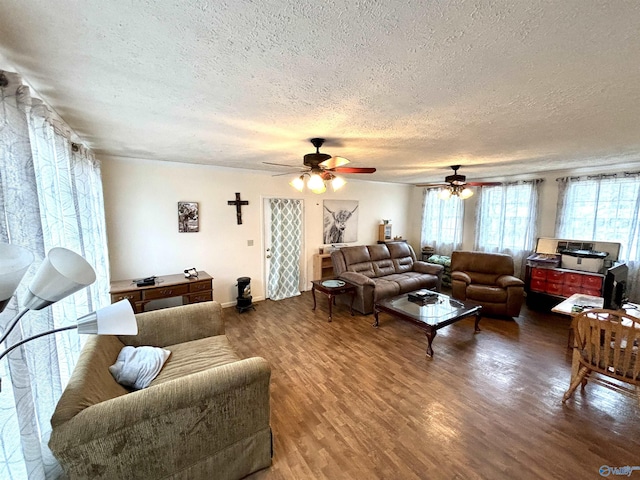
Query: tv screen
[615, 282]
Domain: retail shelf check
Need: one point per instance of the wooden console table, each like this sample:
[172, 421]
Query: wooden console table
[192, 290]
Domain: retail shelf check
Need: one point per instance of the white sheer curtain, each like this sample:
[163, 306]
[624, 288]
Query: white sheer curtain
[605, 208]
[507, 219]
[286, 241]
[50, 195]
[441, 222]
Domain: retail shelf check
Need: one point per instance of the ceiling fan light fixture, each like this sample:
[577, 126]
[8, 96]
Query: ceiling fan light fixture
[298, 183]
[320, 190]
[316, 184]
[465, 193]
[337, 183]
[445, 193]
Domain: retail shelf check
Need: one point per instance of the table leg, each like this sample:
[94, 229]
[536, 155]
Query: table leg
[477, 325]
[313, 293]
[331, 297]
[375, 315]
[431, 334]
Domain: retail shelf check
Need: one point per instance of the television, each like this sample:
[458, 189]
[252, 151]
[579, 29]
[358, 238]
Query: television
[615, 287]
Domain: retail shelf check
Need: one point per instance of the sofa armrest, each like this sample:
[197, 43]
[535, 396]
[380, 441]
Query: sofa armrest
[357, 278]
[505, 281]
[184, 418]
[425, 267]
[461, 276]
[169, 326]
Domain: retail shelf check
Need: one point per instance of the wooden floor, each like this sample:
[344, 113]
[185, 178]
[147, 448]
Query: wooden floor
[351, 401]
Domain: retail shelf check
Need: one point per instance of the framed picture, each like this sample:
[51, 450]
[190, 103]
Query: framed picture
[340, 221]
[188, 219]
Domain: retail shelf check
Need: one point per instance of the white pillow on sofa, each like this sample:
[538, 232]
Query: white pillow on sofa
[136, 367]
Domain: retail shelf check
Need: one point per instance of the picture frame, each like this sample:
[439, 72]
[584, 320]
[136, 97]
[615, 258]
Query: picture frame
[340, 221]
[188, 217]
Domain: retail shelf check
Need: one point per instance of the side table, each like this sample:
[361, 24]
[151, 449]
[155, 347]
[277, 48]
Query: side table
[332, 287]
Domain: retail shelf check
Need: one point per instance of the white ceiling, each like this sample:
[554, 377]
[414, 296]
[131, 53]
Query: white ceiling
[410, 87]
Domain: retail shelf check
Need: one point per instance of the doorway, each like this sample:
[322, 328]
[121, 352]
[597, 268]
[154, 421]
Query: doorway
[284, 247]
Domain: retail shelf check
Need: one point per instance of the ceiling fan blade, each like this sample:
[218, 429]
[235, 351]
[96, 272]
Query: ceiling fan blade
[353, 170]
[483, 184]
[432, 185]
[334, 162]
[288, 173]
[280, 164]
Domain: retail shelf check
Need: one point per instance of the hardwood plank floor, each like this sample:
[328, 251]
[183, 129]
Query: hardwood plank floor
[351, 401]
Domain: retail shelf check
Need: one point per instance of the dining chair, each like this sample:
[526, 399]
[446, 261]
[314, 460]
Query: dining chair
[605, 342]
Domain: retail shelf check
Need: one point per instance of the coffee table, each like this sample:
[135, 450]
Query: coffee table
[432, 314]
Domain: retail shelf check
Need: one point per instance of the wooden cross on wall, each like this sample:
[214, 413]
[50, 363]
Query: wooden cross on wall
[238, 203]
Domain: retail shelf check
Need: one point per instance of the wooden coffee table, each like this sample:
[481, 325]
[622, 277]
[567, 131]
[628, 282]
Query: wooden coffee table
[333, 287]
[436, 312]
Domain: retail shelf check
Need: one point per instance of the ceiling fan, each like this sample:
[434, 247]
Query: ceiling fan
[457, 185]
[321, 167]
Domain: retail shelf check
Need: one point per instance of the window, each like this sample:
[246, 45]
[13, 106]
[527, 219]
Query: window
[507, 219]
[441, 222]
[604, 208]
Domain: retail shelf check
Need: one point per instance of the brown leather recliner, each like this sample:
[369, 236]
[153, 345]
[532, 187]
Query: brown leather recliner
[487, 279]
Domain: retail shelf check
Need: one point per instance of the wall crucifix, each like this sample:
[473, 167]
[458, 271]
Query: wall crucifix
[238, 204]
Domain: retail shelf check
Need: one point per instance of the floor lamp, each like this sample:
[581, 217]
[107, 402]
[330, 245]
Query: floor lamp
[62, 273]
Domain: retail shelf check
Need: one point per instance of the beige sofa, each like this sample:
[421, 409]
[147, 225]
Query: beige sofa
[383, 270]
[206, 415]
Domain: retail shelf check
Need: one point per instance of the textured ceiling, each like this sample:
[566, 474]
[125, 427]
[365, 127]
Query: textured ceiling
[502, 87]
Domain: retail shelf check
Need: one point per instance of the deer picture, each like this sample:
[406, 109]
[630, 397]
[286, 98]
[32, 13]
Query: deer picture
[335, 225]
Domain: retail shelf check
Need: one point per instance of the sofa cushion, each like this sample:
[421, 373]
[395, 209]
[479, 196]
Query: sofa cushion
[91, 382]
[365, 268]
[196, 356]
[356, 254]
[383, 267]
[379, 252]
[403, 264]
[385, 288]
[411, 281]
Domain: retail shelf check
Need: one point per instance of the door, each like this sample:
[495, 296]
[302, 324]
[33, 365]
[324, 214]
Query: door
[283, 241]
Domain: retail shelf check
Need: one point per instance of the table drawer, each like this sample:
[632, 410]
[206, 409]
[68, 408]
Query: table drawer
[573, 279]
[592, 282]
[131, 296]
[555, 276]
[166, 292]
[199, 286]
[554, 288]
[199, 297]
[539, 273]
[538, 285]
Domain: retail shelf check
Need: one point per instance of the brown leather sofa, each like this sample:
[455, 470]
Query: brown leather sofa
[382, 271]
[487, 279]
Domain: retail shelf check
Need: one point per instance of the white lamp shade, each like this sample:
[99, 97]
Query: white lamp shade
[465, 193]
[445, 193]
[115, 319]
[337, 183]
[14, 262]
[297, 183]
[62, 273]
[316, 184]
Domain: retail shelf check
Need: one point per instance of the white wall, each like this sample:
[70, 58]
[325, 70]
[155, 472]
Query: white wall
[141, 214]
